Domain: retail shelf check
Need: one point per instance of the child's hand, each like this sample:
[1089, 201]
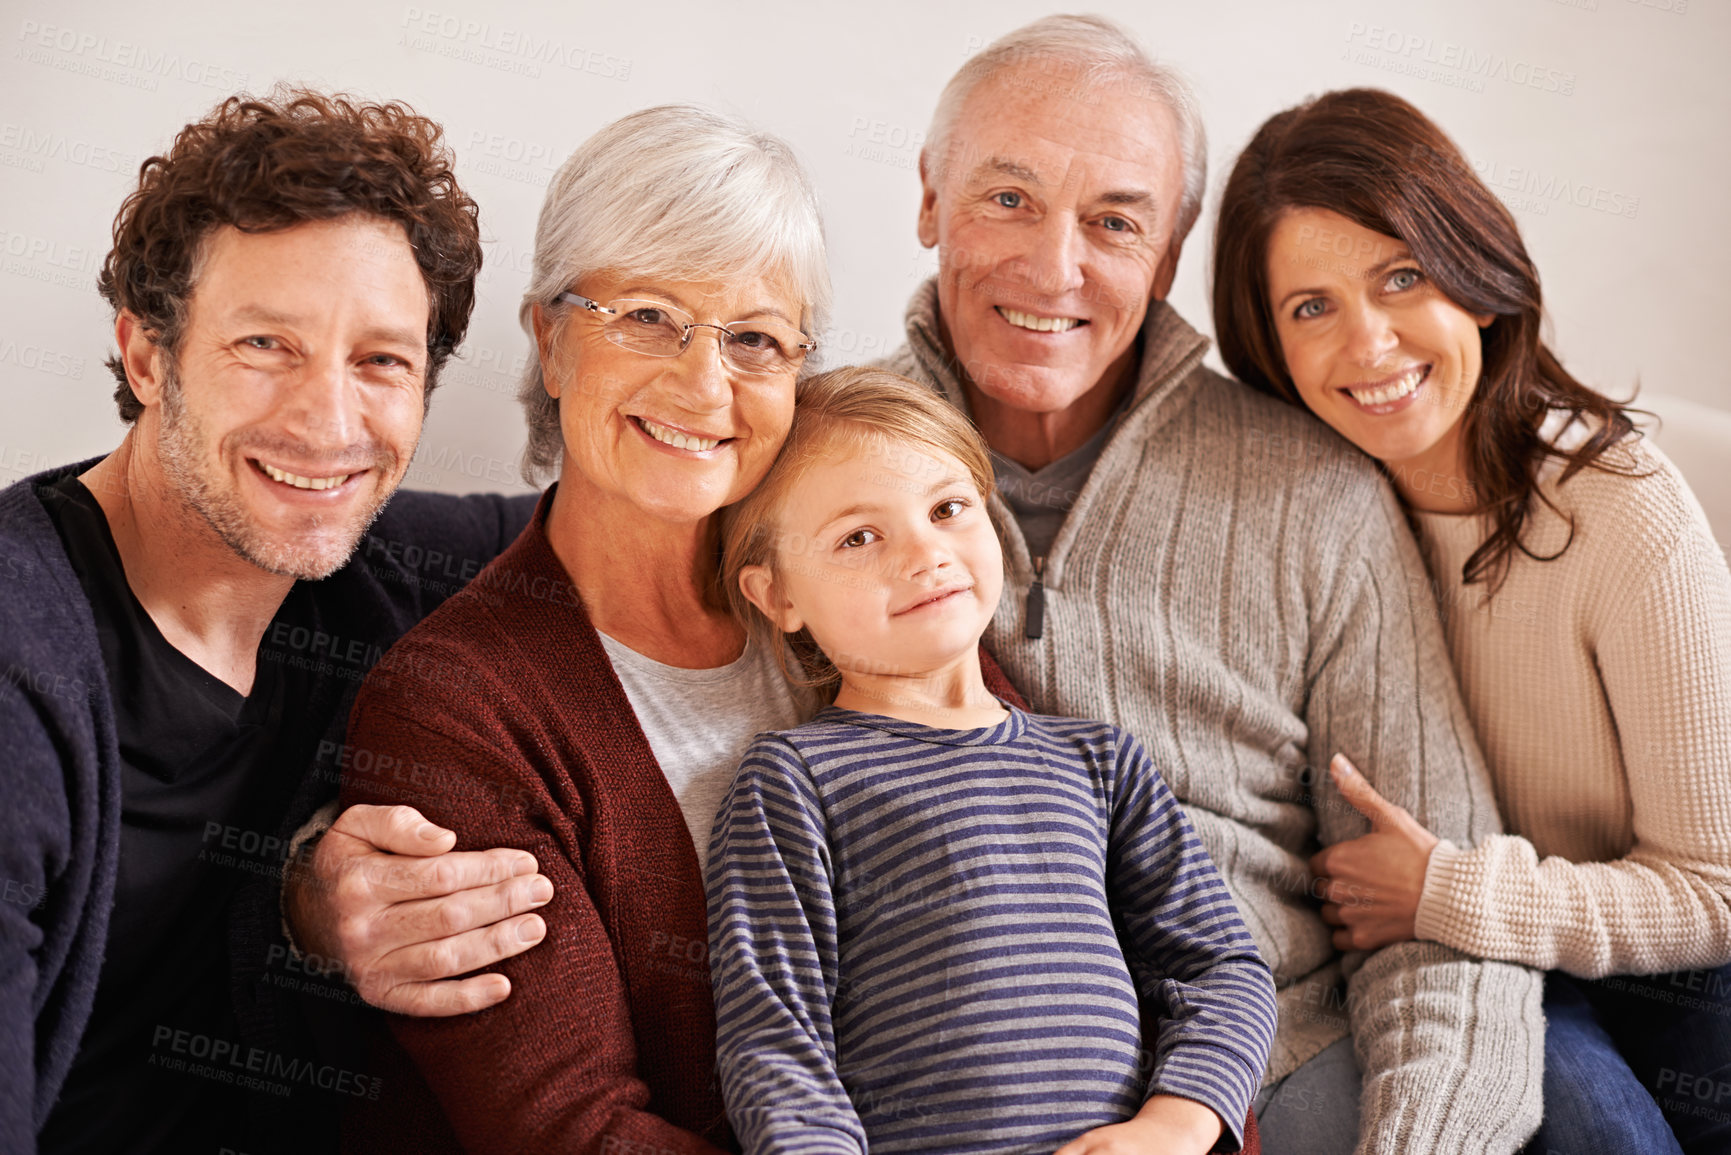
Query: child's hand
[1166, 1125]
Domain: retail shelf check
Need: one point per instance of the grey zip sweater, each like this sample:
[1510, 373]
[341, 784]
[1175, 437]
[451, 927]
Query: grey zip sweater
[1237, 586]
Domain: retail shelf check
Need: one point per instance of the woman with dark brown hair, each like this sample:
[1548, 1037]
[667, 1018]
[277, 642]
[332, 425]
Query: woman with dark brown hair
[1362, 270]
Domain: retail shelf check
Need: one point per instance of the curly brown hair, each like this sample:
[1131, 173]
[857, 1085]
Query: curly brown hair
[1382, 164]
[266, 164]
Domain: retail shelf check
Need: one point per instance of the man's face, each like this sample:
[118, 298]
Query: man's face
[1053, 214]
[293, 406]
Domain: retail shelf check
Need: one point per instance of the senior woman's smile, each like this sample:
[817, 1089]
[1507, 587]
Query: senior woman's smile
[674, 395]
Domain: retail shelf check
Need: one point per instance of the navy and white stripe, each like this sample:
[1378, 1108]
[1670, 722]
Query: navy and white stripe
[915, 940]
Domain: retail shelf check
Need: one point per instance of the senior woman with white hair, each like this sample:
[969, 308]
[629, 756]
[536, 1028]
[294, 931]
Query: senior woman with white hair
[588, 696]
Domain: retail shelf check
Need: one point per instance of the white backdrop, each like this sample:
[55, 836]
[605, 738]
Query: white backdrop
[1604, 124]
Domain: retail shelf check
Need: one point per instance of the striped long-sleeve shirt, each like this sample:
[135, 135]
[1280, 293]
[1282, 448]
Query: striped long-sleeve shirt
[941, 940]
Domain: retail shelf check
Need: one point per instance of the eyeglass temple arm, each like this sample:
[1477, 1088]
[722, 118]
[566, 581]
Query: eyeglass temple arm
[586, 303]
[595, 307]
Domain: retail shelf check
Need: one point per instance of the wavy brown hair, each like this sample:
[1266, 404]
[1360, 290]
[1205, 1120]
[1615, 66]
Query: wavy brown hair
[1376, 160]
[272, 163]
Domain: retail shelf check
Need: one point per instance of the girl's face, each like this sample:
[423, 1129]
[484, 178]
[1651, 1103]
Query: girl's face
[887, 555]
[1373, 347]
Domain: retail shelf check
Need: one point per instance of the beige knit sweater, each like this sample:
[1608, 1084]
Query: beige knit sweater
[1600, 687]
[1237, 586]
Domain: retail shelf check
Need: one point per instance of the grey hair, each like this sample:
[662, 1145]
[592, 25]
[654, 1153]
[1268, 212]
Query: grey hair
[676, 192]
[1099, 49]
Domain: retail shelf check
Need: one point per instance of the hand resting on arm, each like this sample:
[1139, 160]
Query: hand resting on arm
[382, 895]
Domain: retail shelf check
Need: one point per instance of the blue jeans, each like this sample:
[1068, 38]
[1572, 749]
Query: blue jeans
[1314, 1110]
[1637, 1063]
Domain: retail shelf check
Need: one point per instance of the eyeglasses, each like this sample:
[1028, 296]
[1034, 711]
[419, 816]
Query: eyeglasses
[657, 329]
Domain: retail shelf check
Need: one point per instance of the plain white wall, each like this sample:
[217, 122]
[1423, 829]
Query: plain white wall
[1603, 123]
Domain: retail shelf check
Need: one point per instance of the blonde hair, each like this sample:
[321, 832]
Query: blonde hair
[847, 408]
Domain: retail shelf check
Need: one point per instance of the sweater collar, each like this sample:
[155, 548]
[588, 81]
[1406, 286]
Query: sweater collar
[1170, 349]
[34, 553]
[1003, 733]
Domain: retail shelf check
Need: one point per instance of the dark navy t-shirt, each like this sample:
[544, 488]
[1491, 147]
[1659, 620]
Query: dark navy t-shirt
[198, 812]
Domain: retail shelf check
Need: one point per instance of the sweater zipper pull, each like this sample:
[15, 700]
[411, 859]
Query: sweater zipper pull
[1036, 615]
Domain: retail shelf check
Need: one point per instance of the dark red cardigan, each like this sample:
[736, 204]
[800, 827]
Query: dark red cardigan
[500, 717]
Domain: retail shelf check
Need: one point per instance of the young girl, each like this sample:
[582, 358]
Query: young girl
[917, 899]
[1364, 271]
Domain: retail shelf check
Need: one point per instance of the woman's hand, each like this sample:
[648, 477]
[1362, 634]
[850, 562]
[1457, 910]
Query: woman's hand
[1370, 885]
[1166, 1125]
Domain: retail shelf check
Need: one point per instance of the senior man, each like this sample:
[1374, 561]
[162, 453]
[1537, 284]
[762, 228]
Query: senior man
[182, 628]
[1210, 569]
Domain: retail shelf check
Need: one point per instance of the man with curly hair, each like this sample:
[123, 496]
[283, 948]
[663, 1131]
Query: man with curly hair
[184, 620]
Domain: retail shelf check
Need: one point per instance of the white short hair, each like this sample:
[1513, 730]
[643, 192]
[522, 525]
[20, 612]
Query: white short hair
[676, 192]
[1097, 49]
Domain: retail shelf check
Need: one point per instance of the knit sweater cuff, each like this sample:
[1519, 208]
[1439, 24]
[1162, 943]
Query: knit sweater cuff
[1447, 876]
[322, 820]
